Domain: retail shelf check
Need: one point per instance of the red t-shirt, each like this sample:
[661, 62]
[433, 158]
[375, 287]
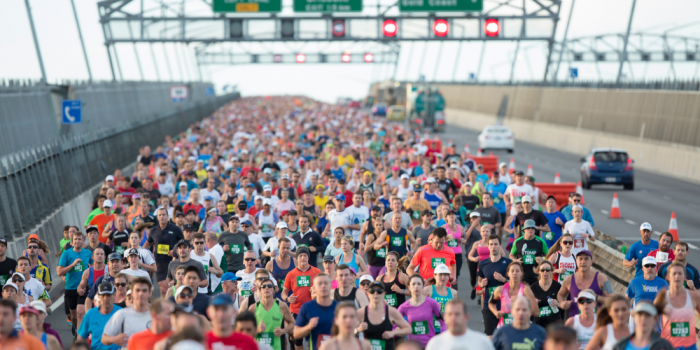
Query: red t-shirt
[428, 258]
[146, 340]
[299, 283]
[253, 211]
[235, 341]
[670, 257]
[100, 221]
[348, 198]
[195, 207]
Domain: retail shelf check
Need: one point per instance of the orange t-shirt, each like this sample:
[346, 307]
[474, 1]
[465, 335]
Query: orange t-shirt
[146, 340]
[427, 257]
[299, 283]
[100, 221]
[21, 341]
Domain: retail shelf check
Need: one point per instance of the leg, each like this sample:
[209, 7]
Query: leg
[458, 258]
[472, 277]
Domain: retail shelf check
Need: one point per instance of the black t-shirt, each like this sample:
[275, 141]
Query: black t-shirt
[445, 186]
[546, 315]
[148, 218]
[528, 250]
[536, 215]
[119, 237]
[163, 241]
[487, 268]
[104, 247]
[469, 203]
[153, 195]
[489, 215]
[146, 160]
[7, 268]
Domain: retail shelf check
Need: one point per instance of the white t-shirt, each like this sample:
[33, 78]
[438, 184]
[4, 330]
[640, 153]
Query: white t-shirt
[35, 288]
[127, 321]
[257, 242]
[576, 229]
[273, 244]
[145, 254]
[166, 189]
[359, 216]
[136, 273]
[218, 252]
[471, 339]
[339, 218]
[504, 178]
[403, 192]
[266, 223]
[247, 281]
[204, 260]
[516, 191]
[214, 194]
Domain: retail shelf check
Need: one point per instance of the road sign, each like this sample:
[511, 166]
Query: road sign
[247, 5]
[209, 91]
[472, 76]
[71, 112]
[327, 5]
[178, 93]
[573, 73]
[441, 5]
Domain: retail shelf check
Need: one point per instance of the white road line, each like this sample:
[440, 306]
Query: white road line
[667, 197]
[605, 212]
[684, 240]
[630, 222]
[692, 246]
[657, 233]
[59, 302]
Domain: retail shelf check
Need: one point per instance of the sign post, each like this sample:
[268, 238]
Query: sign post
[247, 5]
[179, 93]
[573, 73]
[71, 112]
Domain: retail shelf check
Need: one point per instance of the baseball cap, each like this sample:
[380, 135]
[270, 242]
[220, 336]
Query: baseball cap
[106, 288]
[518, 172]
[267, 188]
[468, 184]
[3, 241]
[367, 173]
[281, 224]
[517, 200]
[502, 165]
[234, 218]
[284, 176]
[645, 307]
[430, 180]
[405, 176]
[39, 306]
[10, 284]
[377, 284]
[212, 210]
[529, 224]
[17, 274]
[189, 227]
[183, 184]
[284, 212]
[267, 171]
[584, 251]
[645, 226]
[35, 236]
[474, 214]
[109, 178]
[417, 188]
[648, 260]
[132, 251]
[114, 256]
[442, 268]
[526, 199]
[28, 309]
[302, 250]
[395, 168]
[200, 161]
[585, 295]
[340, 196]
[426, 212]
[267, 201]
[179, 213]
[328, 258]
[221, 299]
[250, 185]
[242, 205]
[247, 222]
[208, 198]
[366, 278]
[181, 288]
[181, 242]
[230, 276]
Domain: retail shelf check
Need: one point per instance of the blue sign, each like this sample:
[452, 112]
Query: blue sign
[71, 112]
[209, 91]
[422, 77]
[472, 76]
[573, 72]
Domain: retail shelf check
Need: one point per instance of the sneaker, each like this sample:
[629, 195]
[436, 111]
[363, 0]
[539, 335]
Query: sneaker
[69, 322]
[473, 296]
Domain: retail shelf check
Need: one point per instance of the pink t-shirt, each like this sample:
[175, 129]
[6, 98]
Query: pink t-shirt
[454, 243]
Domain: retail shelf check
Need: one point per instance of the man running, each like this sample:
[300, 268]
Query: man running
[72, 264]
[234, 243]
[647, 286]
[297, 289]
[271, 315]
[114, 263]
[433, 255]
[222, 336]
[96, 319]
[493, 273]
[692, 276]
[584, 278]
[664, 254]
[7, 265]
[315, 318]
[529, 250]
[521, 334]
[162, 239]
[346, 290]
[126, 322]
[638, 250]
[555, 221]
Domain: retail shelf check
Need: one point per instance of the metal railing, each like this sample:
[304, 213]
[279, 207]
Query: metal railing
[680, 85]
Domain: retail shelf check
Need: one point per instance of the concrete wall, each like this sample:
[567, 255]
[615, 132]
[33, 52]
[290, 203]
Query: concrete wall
[664, 158]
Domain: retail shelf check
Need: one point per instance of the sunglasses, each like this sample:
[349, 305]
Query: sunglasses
[33, 247]
[576, 200]
[120, 284]
[567, 242]
[198, 243]
[649, 266]
[15, 280]
[266, 286]
[185, 295]
[586, 301]
[365, 284]
[545, 270]
[376, 291]
[249, 259]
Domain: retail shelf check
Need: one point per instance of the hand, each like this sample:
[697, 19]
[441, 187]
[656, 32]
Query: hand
[418, 241]
[81, 290]
[559, 270]
[292, 299]
[555, 303]
[171, 283]
[585, 235]
[278, 332]
[363, 327]
[262, 327]
[170, 253]
[122, 339]
[499, 314]
[385, 244]
[76, 262]
[273, 254]
[313, 322]
[484, 282]
[690, 284]
[565, 305]
[462, 241]
[396, 288]
[253, 288]
[362, 247]
[498, 277]
[388, 334]
[633, 262]
[313, 249]
[559, 222]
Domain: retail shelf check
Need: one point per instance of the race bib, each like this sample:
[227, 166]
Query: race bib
[434, 262]
[280, 282]
[415, 215]
[491, 290]
[549, 236]
[436, 325]
[398, 241]
[528, 259]
[564, 275]
[245, 293]
[377, 344]
[206, 269]
[266, 338]
[381, 252]
[303, 281]
[230, 208]
[419, 327]
[661, 257]
[119, 249]
[546, 311]
[680, 329]
[322, 338]
[507, 319]
[79, 267]
[452, 243]
[265, 228]
[578, 241]
[391, 299]
[3, 280]
[235, 249]
[163, 249]
[496, 200]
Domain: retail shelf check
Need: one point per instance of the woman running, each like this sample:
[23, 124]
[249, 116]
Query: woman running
[343, 330]
[394, 281]
[584, 322]
[562, 258]
[375, 257]
[502, 297]
[545, 291]
[440, 292]
[644, 337]
[349, 257]
[456, 238]
[679, 306]
[179, 275]
[379, 323]
[612, 323]
[420, 312]
[335, 248]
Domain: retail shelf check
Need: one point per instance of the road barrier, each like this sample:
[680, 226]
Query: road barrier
[489, 162]
[559, 191]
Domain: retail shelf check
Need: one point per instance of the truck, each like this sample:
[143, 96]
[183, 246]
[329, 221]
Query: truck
[427, 107]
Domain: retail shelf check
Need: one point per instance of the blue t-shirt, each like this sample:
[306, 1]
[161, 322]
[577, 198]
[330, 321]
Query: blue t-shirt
[483, 178]
[629, 346]
[639, 251]
[486, 270]
[498, 203]
[94, 323]
[310, 310]
[691, 273]
[509, 338]
[553, 236]
[74, 276]
[641, 289]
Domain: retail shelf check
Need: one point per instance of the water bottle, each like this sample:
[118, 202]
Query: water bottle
[554, 308]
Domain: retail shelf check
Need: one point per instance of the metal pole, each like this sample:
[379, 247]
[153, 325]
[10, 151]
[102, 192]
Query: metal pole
[136, 53]
[623, 57]
[422, 59]
[111, 65]
[515, 57]
[481, 60]
[551, 44]
[82, 43]
[179, 66]
[36, 42]
[563, 43]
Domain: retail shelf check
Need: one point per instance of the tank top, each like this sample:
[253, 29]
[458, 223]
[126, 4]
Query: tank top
[506, 303]
[374, 332]
[376, 257]
[311, 210]
[279, 273]
[433, 199]
[267, 224]
[44, 339]
[442, 300]
[231, 203]
[453, 239]
[402, 192]
[94, 275]
[483, 252]
[393, 299]
[568, 263]
[362, 187]
[397, 241]
[291, 233]
[272, 320]
[574, 290]
[350, 297]
[610, 339]
[583, 334]
[352, 262]
[678, 324]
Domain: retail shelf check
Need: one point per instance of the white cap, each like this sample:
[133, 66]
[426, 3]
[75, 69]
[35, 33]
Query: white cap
[183, 183]
[526, 199]
[430, 180]
[200, 161]
[39, 305]
[267, 188]
[469, 184]
[405, 176]
[645, 226]
[502, 165]
[474, 214]
[285, 176]
[10, 284]
[17, 274]
[442, 268]
[107, 203]
[176, 149]
[281, 224]
[585, 295]
[109, 178]
[366, 278]
[181, 288]
[648, 260]
[645, 307]
[258, 197]
[267, 201]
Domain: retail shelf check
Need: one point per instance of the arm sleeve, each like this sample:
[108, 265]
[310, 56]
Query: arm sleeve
[514, 249]
[628, 255]
[63, 262]
[416, 258]
[247, 243]
[170, 276]
[148, 258]
[302, 320]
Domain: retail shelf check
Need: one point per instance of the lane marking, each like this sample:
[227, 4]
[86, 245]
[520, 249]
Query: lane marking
[667, 197]
[59, 302]
[630, 222]
[657, 233]
[684, 240]
[692, 246]
[604, 211]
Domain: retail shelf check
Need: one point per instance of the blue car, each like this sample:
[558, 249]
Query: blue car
[379, 109]
[610, 166]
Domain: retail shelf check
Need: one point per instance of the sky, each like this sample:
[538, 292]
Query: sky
[63, 57]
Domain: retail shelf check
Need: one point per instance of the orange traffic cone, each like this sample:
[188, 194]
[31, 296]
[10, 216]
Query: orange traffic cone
[466, 148]
[579, 190]
[557, 180]
[529, 170]
[511, 166]
[615, 210]
[673, 227]
[478, 153]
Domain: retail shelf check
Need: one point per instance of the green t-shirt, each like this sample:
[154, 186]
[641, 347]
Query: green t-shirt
[63, 243]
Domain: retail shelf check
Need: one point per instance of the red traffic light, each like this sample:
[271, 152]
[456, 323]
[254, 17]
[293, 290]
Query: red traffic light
[338, 28]
[301, 58]
[492, 27]
[345, 58]
[441, 27]
[390, 28]
[369, 57]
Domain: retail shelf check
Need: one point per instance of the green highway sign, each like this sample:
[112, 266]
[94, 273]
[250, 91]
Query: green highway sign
[247, 5]
[328, 5]
[441, 5]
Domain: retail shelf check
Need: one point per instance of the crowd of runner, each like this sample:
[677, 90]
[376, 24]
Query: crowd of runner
[283, 222]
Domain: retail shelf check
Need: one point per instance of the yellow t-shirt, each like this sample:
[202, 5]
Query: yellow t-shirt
[321, 201]
[348, 160]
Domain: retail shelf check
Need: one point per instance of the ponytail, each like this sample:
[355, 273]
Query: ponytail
[604, 318]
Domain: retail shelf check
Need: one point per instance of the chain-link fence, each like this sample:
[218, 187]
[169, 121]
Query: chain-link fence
[38, 177]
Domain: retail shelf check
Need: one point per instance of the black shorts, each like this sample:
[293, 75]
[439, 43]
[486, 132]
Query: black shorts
[490, 321]
[503, 219]
[162, 270]
[296, 342]
[73, 299]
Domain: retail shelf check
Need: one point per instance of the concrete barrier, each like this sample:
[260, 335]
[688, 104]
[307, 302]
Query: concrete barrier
[658, 157]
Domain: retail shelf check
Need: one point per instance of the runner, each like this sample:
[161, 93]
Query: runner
[432, 255]
[517, 190]
[208, 261]
[415, 205]
[679, 306]
[315, 317]
[234, 243]
[504, 295]
[545, 291]
[584, 278]
[267, 220]
[562, 259]
[161, 327]
[162, 239]
[584, 322]
[72, 264]
[222, 336]
[664, 254]
[421, 312]
[299, 282]
[439, 291]
[644, 337]
[375, 257]
[521, 333]
[528, 213]
[275, 319]
[493, 273]
[381, 324]
[9, 338]
[336, 248]
[306, 237]
[183, 251]
[114, 267]
[456, 319]
[280, 266]
[432, 195]
[456, 238]
[147, 261]
[248, 286]
[555, 221]
[425, 229]
[355, 261]
[478, 253]
[649, 285]
[612, 323]
[575, 199]
[346, 290]
[529, 250]
[96, 319]
[272, 244]
[497, 188]
[128, 321]
[692, 275]
[580, 229]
